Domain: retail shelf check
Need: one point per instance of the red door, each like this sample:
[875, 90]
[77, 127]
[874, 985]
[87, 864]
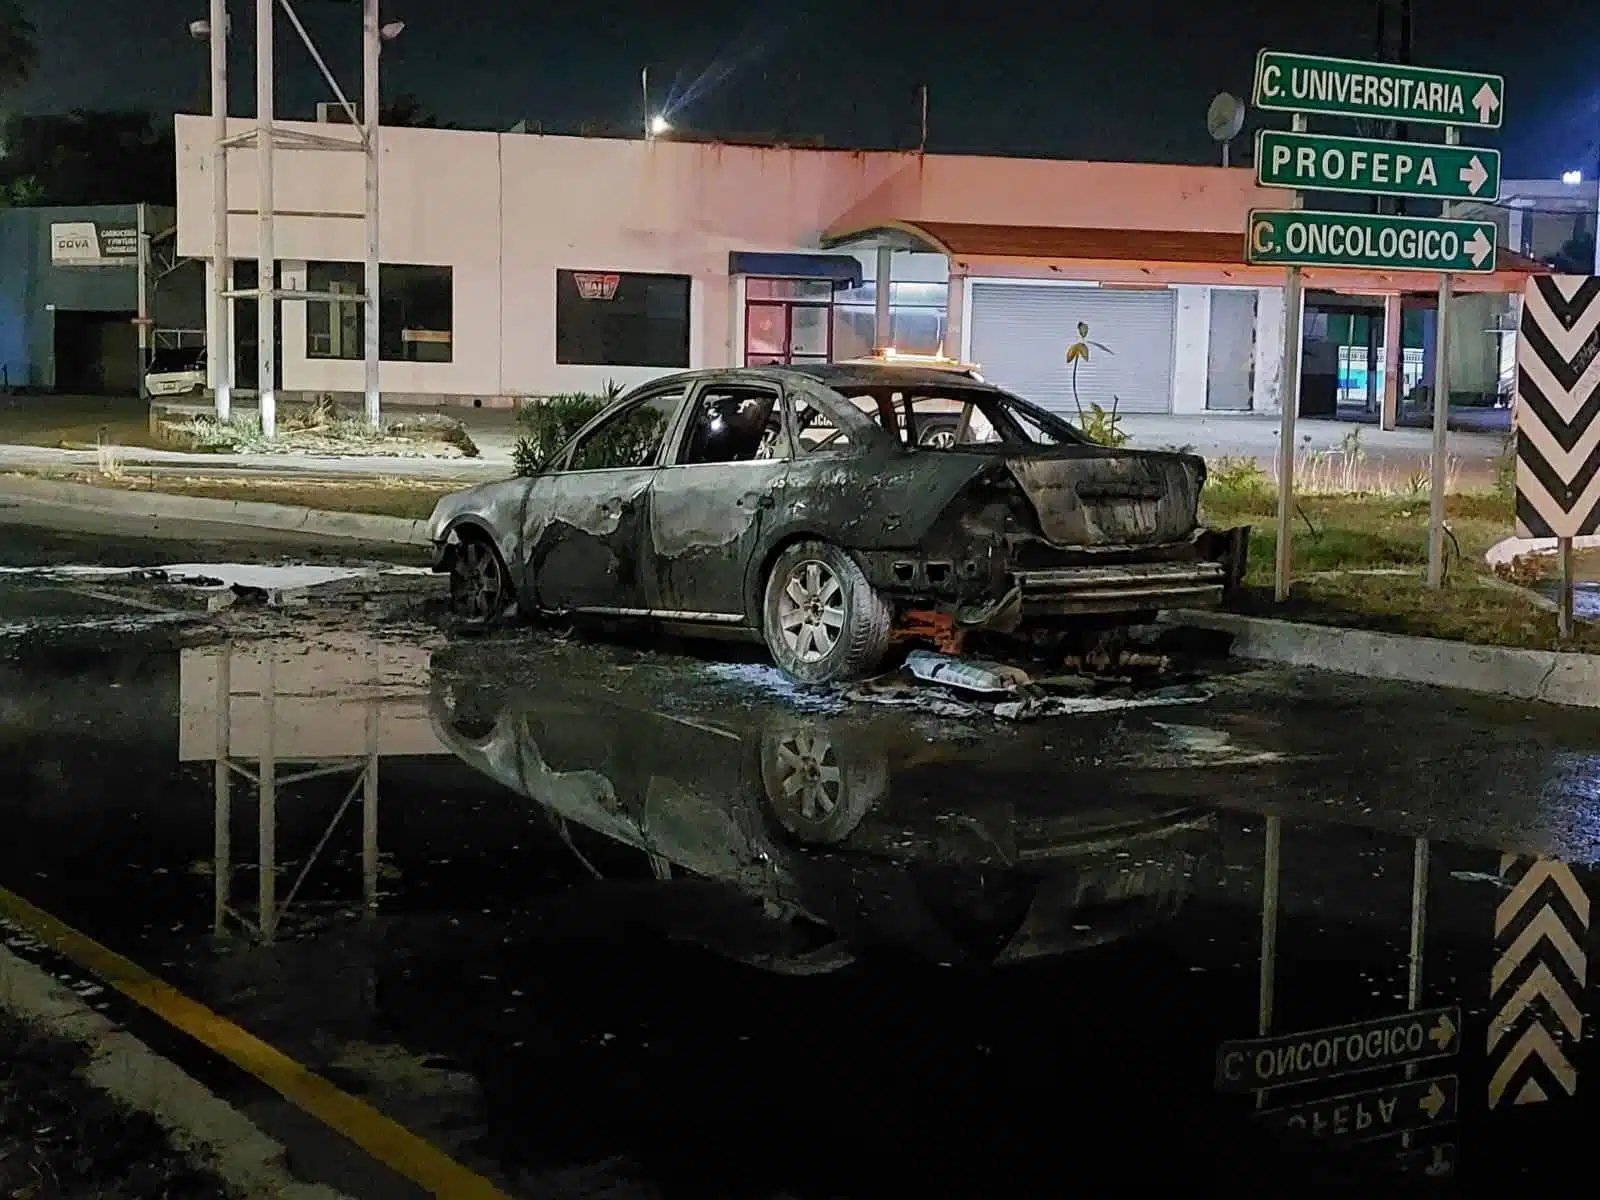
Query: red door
[788, 321]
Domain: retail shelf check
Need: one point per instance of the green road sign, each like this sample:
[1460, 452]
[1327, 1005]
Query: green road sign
[1378, 1113]
[1296, 238]
[1344, 87]
[1315, 162]
[1270, 1062]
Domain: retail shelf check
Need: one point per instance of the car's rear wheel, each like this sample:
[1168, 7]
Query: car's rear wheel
[480, 585]
[823, 621]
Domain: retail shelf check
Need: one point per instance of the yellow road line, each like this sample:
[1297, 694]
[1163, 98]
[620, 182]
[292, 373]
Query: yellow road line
[385, 1140]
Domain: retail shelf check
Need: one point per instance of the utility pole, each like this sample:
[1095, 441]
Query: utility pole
[220, 353]
[266, 250]
[371, 45]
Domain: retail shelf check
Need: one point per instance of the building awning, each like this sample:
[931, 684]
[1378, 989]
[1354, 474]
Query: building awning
[1150, 256]
[843, 269]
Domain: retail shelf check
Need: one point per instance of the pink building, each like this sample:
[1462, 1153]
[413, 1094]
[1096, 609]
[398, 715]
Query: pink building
[524, 265]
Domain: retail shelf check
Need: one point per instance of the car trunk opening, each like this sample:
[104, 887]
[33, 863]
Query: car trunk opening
[1091, 496]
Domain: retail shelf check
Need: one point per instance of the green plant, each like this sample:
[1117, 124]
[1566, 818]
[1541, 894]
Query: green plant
[1102, 427]
[1237, 479]
[1078, 353]
[1505, 467]
[549, 423]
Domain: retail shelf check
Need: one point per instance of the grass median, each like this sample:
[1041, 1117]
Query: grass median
[411, 499]
[1360, 559]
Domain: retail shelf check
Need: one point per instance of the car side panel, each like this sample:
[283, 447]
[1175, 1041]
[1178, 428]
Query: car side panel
[706, 525]
[590, 550]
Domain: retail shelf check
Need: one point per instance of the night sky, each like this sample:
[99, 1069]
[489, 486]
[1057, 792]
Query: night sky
[1124, 80]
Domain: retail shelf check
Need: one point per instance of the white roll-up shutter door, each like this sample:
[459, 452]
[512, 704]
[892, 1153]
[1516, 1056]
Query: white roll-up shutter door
[1020, 335]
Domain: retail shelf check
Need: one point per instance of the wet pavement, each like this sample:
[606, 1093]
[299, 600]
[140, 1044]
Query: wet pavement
[600, 920]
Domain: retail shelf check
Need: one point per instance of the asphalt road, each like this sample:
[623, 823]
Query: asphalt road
[626, 921]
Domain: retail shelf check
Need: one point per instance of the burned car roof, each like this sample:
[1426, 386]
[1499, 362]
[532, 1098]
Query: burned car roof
[840, 376]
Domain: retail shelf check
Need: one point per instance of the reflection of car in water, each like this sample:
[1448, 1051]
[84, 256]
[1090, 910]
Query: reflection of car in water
[797, 813]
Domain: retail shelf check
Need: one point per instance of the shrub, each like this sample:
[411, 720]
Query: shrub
[550, 422]
[1240, 480]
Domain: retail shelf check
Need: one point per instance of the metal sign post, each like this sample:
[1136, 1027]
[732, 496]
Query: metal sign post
[1293, 238]
[1289, 402]
[1441, 415]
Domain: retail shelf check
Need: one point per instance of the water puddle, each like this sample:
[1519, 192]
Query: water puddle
[581, 914]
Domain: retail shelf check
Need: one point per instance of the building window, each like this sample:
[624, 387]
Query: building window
[622, 319]
[916, 319]
[415, 312]
[787, 321]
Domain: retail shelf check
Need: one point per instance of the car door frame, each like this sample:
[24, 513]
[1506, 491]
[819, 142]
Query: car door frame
[673, 543]
[560, 535]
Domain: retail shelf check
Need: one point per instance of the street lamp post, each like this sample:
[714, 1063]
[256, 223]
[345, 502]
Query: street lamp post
[266, 248]
[219, 348]
[373, 34]
[371, 45]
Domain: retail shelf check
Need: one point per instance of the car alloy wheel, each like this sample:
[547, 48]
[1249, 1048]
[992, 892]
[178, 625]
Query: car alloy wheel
[811, 611]
[477, 581]
[939, 438]
[823, 620]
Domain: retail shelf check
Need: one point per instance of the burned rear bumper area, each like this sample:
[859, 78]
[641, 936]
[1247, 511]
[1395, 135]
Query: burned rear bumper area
[992, 593]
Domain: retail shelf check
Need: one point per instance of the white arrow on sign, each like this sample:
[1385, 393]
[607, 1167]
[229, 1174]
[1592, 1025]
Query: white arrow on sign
[1485, 102]
[1474, 175]
[1478, 248]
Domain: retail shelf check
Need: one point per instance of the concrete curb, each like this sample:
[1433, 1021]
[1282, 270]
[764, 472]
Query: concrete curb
[214, 1134]
[252, 514]
[1552, 676]
[1515, 547]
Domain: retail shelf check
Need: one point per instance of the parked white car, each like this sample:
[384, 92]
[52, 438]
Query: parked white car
[176, 372]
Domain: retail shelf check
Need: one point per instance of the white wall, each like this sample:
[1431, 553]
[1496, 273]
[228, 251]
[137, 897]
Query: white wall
[506, 211]
[1269, 350]
[1191, 349]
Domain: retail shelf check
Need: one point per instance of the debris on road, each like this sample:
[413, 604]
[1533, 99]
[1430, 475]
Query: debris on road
[970, 675]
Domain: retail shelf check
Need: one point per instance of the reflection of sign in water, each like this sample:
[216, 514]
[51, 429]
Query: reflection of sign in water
[1537, 982]
[305, 703]
[85, 244]
[1248, 1066]
[1376, 1113]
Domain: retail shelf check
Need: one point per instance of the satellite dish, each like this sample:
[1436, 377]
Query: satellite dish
[1225, 117]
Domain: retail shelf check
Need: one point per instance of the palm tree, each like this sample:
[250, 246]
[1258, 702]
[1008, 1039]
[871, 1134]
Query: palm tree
[19, 53]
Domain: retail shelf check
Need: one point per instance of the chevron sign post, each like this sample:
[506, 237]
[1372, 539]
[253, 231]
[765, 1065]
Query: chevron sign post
[1537, 984]
[1558, 416]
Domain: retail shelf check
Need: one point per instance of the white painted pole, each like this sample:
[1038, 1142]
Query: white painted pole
[881, 283]
[220, 353]
[142, 249]
[1288, 401]
[371, 44]
[1441, 415]
[266, 250]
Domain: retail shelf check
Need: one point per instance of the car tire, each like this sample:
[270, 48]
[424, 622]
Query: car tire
[938, 433]
[480, 585]
[822, 620]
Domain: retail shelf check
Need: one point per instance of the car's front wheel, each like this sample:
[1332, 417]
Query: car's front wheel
[480, 585]
[823, 621]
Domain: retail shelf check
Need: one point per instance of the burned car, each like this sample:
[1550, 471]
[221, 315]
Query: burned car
[798, 505]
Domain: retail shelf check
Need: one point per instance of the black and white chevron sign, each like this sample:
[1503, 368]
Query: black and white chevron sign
[1558, 407]
[1537, 984]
